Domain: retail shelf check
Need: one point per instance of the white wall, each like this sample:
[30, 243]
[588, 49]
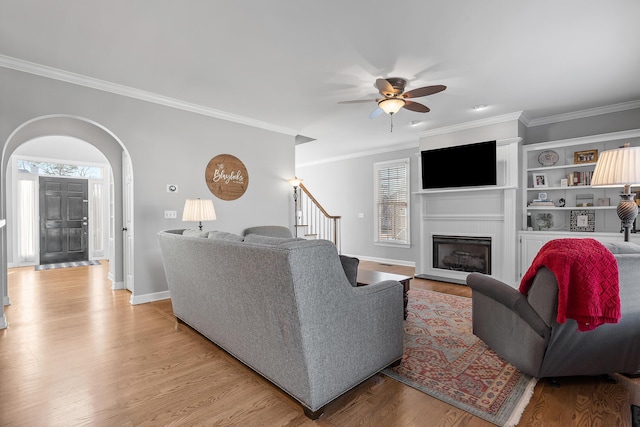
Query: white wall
[166, 146]
[345, 187]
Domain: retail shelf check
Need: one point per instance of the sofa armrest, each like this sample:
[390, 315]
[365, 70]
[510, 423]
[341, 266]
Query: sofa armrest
[510, 298]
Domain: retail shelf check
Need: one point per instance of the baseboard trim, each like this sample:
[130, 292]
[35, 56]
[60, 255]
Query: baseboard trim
[143, 299]
[117, 286]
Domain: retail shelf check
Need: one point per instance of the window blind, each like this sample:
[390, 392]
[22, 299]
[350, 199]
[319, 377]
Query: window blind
[391, 201]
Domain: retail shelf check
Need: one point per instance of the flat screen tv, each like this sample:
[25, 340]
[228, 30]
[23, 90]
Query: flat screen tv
[468, 165]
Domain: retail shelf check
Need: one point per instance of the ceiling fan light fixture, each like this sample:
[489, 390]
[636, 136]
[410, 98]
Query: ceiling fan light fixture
[391, 105]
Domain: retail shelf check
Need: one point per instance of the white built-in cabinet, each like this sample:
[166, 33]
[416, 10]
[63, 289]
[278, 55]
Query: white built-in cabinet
[577, 210]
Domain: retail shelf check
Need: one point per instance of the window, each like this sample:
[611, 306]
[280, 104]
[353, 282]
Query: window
[59, 169]
[391, 199]
[26, 223]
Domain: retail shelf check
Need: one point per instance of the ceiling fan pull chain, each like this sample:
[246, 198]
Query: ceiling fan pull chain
[391, 122]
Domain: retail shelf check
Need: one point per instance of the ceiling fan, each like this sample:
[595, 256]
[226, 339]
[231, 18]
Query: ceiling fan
[395, 98]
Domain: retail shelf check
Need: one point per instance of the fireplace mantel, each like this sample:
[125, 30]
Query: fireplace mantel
[463, 189]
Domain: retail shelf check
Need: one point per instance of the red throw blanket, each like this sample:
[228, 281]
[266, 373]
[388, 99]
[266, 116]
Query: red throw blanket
[588, 283]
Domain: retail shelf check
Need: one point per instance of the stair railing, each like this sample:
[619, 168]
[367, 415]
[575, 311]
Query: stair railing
[314, 220]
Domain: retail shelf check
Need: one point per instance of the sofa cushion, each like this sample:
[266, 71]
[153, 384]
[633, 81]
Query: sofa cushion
[195, 233]
[268, 240]
[350, 266]
[223, 235]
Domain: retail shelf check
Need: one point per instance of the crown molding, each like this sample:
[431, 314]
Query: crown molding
[473, 124]
[105, 86]
[381, 150]
[585, 113]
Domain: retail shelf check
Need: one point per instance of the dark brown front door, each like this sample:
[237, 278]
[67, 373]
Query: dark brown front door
[63, 219]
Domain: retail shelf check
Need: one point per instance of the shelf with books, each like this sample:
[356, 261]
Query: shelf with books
[556, 177]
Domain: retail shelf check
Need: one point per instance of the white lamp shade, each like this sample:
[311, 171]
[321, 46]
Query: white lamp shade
[620, 166]
[295, 182]
[391, 105]
[198, 210]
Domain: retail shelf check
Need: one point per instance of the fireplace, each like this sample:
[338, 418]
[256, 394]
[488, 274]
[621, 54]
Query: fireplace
[462, 253]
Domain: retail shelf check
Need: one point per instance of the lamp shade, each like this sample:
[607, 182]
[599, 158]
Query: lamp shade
[198, 210]
[620, 166]
[391, 105]
[295, 181]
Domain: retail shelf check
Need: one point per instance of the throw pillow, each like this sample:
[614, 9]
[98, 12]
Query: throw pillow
[623, 248]
[223, 235]
[350, 266]
[195, 233]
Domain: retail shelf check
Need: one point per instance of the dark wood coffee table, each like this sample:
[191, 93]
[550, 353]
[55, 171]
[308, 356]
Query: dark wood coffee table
[368, 277]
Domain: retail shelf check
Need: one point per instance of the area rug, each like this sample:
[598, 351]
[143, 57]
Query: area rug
[65, 265]
[443, 359]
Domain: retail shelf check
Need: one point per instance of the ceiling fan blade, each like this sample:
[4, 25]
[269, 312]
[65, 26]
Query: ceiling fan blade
[416, 106]
[424, 91]
[376, 113]
[385, 88]
[356, 101]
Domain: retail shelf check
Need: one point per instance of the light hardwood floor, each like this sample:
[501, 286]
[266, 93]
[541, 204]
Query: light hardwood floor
[77, 353]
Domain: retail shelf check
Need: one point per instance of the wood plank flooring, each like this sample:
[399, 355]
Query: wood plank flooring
[77, 353]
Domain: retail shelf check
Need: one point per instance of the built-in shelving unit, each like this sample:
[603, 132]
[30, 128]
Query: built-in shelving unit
[577, 210]
[594, 207]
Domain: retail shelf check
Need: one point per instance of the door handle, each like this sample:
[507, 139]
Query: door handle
[124, 228]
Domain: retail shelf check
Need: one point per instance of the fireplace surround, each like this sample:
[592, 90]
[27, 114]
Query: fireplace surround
[462, 253]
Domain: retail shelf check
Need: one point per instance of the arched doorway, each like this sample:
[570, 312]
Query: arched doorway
[80, 180]
[116, 154]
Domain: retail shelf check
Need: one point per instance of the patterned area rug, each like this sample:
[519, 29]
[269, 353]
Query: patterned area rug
[65, 265]
[443, 359]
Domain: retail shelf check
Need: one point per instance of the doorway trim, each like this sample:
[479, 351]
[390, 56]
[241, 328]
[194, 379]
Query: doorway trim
[98, 136]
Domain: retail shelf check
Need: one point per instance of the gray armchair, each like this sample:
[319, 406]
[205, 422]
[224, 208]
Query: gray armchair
[523, 328]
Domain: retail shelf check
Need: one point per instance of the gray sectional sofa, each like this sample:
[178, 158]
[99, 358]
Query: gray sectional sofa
[285, 308]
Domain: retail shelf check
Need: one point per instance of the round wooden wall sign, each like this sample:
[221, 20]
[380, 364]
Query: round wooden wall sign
[227, 177]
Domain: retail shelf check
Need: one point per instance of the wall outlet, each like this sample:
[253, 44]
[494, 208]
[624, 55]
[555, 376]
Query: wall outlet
[170, 215]
[361, 215]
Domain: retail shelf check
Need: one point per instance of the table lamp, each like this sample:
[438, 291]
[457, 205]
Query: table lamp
[199, 210]
[620, 166]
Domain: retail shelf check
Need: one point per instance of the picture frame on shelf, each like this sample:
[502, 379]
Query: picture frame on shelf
[540, 180]
[585, 156]
[582, 220]
[544, 221]
[584, 200]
